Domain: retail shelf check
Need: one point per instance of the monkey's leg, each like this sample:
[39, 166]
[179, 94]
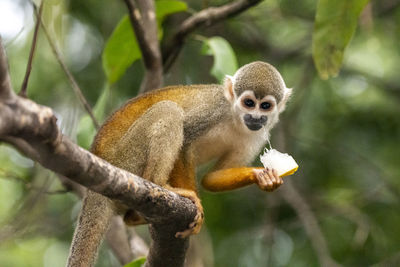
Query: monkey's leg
[93, 223]
[182, 179]
[151, 147]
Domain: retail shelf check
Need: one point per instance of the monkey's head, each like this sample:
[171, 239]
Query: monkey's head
[258, 94]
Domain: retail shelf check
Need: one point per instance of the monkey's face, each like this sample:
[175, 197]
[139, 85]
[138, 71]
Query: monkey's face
[258, 94]
[256, 113]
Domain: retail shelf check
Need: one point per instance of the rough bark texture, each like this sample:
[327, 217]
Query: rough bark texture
[143, 19]
[32, 128]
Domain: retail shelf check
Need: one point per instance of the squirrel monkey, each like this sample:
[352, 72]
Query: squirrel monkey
[163, 135]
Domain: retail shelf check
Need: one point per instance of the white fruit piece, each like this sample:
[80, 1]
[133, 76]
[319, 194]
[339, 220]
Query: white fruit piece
[283, 163]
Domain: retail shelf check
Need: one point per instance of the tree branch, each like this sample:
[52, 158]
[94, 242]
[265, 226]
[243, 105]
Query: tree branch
[207, 17]
[6, 91]
[144, 24]
[32, 52]
[166, 211]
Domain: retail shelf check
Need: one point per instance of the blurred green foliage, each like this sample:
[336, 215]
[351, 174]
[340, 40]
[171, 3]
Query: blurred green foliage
[344, 132]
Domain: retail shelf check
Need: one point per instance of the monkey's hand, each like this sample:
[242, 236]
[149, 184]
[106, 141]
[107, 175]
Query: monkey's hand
[195, 226]
[267, 179]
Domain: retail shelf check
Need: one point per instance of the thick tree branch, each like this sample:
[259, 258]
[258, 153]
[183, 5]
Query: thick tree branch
[166, 211]
[143, 19]
[207, 17]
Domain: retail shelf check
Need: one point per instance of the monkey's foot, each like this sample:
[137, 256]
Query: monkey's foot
[195, 226]
[132, 218]
[267, 179]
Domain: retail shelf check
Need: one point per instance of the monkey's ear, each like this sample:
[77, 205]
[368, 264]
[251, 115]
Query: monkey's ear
[286, 95]
[228, 88]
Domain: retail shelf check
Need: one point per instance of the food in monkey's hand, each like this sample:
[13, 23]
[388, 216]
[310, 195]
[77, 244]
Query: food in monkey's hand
[283, 163]
[233, 178]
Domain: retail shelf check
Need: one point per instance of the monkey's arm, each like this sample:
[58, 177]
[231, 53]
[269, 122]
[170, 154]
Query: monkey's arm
[229, 179]
[233, 178]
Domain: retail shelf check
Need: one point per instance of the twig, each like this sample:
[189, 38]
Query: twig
[143, 19]
[6, 91]
[32, 52]
[71, 79]
[207, 17]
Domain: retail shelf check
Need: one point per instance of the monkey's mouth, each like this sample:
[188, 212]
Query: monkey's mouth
[254, 124]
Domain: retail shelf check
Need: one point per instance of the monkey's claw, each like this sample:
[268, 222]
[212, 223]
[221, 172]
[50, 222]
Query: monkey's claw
[268, 179]
[195, 226]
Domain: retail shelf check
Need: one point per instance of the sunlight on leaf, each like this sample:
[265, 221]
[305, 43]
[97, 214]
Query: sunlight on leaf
[335, 24]
[225, 62]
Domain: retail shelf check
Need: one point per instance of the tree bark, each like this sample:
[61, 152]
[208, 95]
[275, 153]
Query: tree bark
[33, 129]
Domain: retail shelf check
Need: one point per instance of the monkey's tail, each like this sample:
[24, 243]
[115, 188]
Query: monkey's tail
[94, 220]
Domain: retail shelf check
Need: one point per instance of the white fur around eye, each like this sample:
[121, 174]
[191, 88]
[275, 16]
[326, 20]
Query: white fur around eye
[240, 101]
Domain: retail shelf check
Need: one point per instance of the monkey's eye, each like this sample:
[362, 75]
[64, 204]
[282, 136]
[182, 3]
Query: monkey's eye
[265, 105]
[248, 102]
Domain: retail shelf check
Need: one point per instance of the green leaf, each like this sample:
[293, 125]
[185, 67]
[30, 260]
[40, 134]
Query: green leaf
[335, 24]
[122, 49]
[225, 62]
[136, 263]
[165, 8]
